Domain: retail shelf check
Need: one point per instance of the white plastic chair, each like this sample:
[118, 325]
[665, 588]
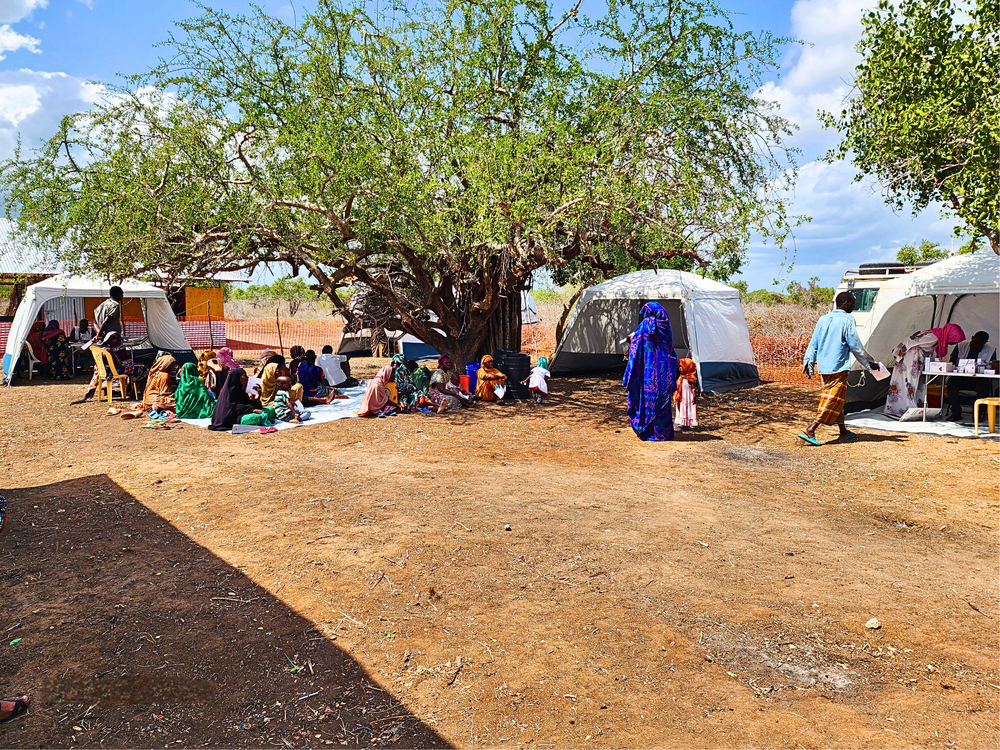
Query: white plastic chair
[32, 359]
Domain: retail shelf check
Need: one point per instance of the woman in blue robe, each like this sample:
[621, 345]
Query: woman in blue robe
[651, 375]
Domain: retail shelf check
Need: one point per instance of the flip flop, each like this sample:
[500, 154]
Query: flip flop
[810, 440]
[847, 438]
[20, 707]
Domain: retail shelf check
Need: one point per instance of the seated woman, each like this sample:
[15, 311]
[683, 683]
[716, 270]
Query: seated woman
[375, 402]
[439, 395]
[227, 360]
[159, 393]
[57, 351]
[421, 377]
[406, 391]
[269, 371]
[298, 355]
[312, 381]
[488, 379]
[193, 399]
[234, 402]
[211, 372]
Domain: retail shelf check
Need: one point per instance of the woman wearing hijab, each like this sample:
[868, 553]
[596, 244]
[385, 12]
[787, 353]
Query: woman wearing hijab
[375, 402]
[234, 402]
[273, 367]
[651, 375]
[908, 387]
[406, 389]
[298, 355]
[194, 401]
[488, 378]
[439, 393]
[227, 360]
[159, 393]
[57, 351]
[684, 396]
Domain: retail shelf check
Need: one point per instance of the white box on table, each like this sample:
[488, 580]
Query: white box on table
[939, 366]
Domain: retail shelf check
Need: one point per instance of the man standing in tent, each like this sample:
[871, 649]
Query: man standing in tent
[108, 315]
[833, 341]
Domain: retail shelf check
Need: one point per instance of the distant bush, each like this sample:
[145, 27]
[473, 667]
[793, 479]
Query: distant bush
[809, 295]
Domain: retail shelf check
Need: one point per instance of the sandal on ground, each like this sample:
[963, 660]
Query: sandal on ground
[11, 708]
[132, 414]
[113, 411]
[847, 438]
[810, 440]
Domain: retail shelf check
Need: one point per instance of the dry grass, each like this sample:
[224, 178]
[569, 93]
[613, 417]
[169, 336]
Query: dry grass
[781, 320]
[762, 320]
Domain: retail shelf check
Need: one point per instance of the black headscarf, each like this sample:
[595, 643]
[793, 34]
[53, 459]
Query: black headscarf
[233, 402]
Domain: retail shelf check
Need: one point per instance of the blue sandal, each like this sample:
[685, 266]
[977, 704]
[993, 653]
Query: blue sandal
[810, 440]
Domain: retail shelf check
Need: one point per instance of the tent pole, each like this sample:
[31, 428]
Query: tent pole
[281, 346]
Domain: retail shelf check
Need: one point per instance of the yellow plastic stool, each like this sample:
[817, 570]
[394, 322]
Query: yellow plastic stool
[992, 405]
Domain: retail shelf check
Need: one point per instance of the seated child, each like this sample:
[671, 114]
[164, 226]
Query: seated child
[538, 381]
[284, 407]
[454, 387]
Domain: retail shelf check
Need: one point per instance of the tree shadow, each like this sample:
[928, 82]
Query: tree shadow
[132, 635]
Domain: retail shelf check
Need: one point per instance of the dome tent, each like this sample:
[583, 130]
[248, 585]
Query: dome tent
[963, 289]
[706, 318]
[163, 330]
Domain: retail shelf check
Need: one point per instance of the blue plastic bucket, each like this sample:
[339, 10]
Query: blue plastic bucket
[471, 369]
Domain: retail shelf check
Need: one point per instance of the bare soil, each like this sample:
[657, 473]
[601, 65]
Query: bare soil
[498, 577]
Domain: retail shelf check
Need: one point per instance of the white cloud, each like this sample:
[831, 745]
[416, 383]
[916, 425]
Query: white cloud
[821, 72]
[11, 41]
[12, 11]
[851, 224]
[32, 103]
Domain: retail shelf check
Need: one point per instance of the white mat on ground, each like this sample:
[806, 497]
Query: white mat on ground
[341, 408]
[876, 420]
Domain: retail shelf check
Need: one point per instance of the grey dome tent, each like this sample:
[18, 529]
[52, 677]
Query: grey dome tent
[706, 318]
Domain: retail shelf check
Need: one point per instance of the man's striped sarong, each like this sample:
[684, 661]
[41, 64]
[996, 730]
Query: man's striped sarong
[832, 398]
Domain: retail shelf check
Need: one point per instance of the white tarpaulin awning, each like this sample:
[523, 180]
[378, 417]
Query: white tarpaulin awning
[161, 325]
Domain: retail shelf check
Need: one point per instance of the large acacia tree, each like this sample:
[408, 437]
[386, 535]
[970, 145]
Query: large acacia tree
[437, 155]
[923, 118]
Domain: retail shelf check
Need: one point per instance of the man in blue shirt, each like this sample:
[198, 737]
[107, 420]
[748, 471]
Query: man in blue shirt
[833, 341]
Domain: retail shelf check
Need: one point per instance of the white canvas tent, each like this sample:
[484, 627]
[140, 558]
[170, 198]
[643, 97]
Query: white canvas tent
[963, 289]
[706, 318]
[161, 326]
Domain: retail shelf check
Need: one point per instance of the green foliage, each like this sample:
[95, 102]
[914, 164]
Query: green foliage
[926, 250]
[547, 293]
[924, 118]
[437, 158]
[809, 295]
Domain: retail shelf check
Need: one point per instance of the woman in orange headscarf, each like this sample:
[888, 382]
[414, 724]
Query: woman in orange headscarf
[159, 393]
[488, 378]
[684, 396]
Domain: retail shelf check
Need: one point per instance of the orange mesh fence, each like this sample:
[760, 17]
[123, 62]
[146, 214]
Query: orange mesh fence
[248, 337]
[779, 358]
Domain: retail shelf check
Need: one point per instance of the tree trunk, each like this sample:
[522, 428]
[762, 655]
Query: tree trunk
[504, 330]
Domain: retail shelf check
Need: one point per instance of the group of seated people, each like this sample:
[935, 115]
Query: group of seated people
[406, 386]
[50, 345]
[217, 387]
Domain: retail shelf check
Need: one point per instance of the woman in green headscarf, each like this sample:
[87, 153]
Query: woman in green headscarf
[194, 401]
[406, 390]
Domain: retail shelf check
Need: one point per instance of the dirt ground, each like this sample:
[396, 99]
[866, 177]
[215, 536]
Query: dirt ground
[499, 577]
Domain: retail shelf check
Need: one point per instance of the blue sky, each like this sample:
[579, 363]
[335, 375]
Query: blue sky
[52, 50]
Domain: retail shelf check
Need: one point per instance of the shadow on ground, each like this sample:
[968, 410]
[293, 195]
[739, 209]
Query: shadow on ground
[131, 635]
